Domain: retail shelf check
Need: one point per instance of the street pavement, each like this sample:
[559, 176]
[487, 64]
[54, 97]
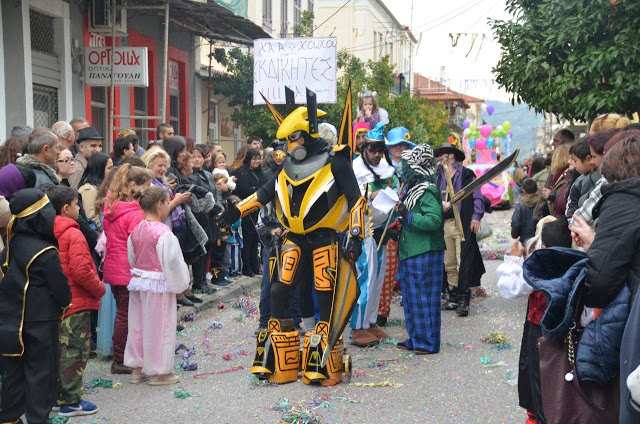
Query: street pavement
[469, 381]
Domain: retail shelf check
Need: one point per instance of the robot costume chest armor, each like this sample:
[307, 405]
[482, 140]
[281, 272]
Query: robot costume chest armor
[308, 197]
[316, 195]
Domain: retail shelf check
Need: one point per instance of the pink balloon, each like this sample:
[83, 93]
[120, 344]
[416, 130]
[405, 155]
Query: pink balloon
[481, 143]
[485, 130]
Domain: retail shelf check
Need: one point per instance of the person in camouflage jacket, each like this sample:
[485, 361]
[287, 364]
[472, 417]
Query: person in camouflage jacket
[86, 292]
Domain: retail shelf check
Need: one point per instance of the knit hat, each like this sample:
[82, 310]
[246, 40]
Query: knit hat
[376, 134]
[360, 127]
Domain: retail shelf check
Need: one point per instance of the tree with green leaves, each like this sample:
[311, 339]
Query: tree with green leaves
[575, 58]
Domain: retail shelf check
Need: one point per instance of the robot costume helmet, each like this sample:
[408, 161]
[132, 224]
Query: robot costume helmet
[300, 124]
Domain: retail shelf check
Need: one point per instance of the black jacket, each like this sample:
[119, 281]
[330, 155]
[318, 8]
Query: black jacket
[523, 224]
[471, 264]
[34, 288]
[248, 182]
[614, 255]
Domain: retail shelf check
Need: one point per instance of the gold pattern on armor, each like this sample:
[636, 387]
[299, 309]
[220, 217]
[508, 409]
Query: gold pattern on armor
[249, 205]
[357, 218]
[324, 267]
[322, 327]
[273, 325]
[287, 350]
[272, 267]
[289, 260]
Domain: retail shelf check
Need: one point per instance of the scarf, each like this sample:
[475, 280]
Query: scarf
[418, 172]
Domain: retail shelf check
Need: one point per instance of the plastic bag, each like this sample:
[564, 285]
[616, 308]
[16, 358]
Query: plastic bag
[485, 230]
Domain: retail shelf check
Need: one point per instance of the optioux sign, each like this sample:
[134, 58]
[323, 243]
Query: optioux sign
[129, 66]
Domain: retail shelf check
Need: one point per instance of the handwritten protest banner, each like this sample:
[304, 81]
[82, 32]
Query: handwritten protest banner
[298, 63]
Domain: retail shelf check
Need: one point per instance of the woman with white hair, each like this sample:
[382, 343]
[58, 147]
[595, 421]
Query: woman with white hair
[329, 133]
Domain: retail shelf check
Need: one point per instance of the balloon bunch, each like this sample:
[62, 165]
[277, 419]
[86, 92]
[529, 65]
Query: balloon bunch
[485, 136]
[487, 108]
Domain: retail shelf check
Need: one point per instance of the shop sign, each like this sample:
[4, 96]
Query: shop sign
[130, 66]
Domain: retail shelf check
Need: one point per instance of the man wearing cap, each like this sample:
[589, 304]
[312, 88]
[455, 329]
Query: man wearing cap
[462, 260]
[89, 142]
[374, 172]
[398, 140]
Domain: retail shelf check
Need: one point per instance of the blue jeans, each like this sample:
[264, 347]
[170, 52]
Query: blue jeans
[265, 295]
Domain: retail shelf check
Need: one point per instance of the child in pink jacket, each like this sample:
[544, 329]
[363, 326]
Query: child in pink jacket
[122, 214]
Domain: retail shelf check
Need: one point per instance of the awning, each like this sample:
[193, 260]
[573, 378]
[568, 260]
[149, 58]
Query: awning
[209, 20]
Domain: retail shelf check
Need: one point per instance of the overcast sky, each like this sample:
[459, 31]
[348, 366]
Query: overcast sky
[468, 64]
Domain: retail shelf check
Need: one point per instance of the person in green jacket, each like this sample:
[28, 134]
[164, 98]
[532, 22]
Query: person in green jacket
[421, 251]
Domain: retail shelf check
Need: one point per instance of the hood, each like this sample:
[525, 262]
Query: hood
[119, 209]
[34, 163]
[530, 200]
[630, 186]
[62, 224]
[37, 224]
[12, 181]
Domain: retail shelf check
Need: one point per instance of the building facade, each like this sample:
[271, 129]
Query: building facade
[277, 18]
[368, 30]
[42, 60]
[460, 106]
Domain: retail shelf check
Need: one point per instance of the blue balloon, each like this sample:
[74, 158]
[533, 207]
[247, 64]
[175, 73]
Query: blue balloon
[472, 143]
[490, 142]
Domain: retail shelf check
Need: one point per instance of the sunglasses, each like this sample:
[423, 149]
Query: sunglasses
[65, 160]
[279, 155]
[377, 149]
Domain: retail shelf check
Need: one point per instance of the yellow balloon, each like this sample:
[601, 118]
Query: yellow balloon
[506, 125]
[472, 127]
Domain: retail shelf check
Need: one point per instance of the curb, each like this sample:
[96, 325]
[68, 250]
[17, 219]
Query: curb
[240, 286]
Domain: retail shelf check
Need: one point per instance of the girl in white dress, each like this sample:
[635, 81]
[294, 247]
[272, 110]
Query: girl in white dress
[158, 273]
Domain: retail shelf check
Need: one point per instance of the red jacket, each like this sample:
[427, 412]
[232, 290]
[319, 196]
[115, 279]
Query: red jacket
[78, 266]
[537, 306]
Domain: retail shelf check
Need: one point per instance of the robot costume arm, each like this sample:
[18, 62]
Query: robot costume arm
[250, 204]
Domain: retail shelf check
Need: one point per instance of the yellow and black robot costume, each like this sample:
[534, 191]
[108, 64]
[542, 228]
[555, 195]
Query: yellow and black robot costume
[316, 195]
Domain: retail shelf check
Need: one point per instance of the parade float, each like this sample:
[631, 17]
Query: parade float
[485, 145]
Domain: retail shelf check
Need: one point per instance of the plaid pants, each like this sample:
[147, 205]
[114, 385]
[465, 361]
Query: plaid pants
[421, 282]
[384, 308]
[75, 338]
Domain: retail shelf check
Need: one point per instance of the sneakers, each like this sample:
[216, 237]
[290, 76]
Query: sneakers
[120, 368]
[81, 408]
[222, 283]
[163, 379]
